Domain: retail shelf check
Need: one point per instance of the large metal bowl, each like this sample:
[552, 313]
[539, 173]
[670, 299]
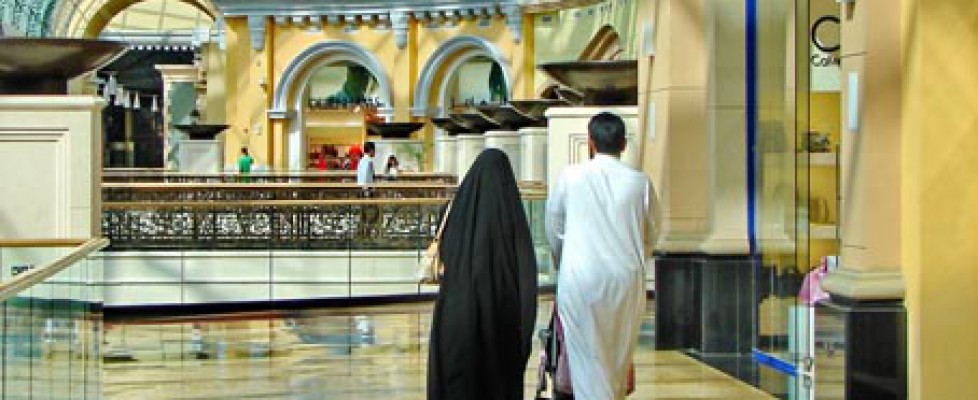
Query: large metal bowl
[44, 66]
[536, 108]
[450, 126]
[509, 117]
[601, 82]
[475, 121]
[393, 130]
[202, 131]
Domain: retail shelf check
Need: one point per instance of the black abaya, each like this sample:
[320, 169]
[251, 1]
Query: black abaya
[486, 308]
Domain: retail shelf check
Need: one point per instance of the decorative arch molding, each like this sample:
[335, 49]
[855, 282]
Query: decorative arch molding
[445, 60]
[88, 18]
[287, 98]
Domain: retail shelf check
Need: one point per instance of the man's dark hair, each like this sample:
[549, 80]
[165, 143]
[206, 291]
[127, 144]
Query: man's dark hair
[244, 150]
[368, 148]
[607, 131]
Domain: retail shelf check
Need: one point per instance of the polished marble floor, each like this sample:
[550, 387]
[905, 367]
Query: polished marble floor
[352, 353]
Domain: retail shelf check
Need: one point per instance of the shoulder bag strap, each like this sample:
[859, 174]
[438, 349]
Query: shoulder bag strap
[444, 220]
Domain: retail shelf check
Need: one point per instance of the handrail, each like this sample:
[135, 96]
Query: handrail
[271, 185]
[36, 275]
[40, 243]
[271, 203]
[257, 174]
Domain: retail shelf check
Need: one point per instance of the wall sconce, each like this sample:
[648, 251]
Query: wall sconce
[263, 84]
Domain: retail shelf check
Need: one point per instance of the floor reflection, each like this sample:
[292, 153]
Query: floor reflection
[352, 353]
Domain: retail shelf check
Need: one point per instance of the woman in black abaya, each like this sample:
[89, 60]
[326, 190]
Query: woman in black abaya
[486, 308]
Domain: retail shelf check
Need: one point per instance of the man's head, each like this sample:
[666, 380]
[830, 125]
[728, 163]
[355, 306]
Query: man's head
[369, 148]
[244, 151]
[606, 134]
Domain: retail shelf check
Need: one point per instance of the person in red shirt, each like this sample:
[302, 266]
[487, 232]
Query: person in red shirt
[355, 153]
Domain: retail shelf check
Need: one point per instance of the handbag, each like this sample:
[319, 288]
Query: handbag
[430, 268]
[559, 366]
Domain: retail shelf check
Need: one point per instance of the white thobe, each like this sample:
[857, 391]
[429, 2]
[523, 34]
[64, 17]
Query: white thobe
[600, 222]
[365, 170]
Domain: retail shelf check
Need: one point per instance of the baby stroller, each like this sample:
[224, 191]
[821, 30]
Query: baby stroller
[551, 339]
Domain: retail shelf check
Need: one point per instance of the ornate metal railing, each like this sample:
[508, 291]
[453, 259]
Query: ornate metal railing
[356, 224]
[280, 216]
[224, 192]
[159, 176]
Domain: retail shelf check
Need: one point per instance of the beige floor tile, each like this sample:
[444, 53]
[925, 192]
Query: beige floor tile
[355, 353]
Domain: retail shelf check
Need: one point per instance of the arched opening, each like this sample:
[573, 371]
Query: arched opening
[78, 18]
[336, 99]
[291, 100]
[478, 80]
[433, 95]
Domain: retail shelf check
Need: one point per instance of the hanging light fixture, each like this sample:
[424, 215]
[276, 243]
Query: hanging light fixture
[135, 102]
[111, 86]
[120, 95]
[154, 107]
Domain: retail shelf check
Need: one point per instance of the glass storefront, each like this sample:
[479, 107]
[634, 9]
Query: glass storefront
[795, 181]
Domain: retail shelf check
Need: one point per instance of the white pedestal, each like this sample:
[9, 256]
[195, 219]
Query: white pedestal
[200, 156]
[51, 158]
[409, 153]
[446, 154]
[567, 136]
[469, 147]
[533, 155]
[509, 143]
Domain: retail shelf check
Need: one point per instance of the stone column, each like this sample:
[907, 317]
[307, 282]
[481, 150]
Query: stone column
[509, 143]
[51, 153]
[533, 155]
[868, 289]
[567, 136]
[870, 160]
[446, 154]
[727, 129]
[172, 74]
[469, 146]
[693, 103]
[672, 97]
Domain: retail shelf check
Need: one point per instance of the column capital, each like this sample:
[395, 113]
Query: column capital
[866, 285]
[256, 28]
[514, 21]
[399, 23]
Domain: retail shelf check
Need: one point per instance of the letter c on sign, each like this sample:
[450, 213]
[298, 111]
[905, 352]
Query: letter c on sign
[826, 47]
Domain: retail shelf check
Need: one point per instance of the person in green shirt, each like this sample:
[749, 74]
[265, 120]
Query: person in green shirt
[245, 162]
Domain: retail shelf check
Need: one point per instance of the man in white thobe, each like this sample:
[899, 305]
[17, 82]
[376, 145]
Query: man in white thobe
[600, 222]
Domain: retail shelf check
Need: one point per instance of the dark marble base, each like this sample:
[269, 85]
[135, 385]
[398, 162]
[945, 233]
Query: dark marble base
[704, 303]
[875, 335]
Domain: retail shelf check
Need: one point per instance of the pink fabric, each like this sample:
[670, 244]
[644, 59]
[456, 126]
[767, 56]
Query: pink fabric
[563, 380]
[811, 288]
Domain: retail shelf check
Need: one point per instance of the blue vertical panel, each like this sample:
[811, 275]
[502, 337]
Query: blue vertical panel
[751, 91]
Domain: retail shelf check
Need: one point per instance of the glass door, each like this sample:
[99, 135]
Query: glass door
[796, 87]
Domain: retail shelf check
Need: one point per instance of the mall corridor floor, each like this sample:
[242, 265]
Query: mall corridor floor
[348, 353]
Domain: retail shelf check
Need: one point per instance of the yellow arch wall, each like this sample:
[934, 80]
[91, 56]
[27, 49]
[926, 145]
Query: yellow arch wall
[249, 100]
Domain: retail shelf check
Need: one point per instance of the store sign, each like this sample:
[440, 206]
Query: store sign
[20, 269]
[825, 37]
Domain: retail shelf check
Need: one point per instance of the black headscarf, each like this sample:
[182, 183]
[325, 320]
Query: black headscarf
[486, 309]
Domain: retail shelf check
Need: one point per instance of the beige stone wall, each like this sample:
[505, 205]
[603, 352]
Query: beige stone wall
[51, 155]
